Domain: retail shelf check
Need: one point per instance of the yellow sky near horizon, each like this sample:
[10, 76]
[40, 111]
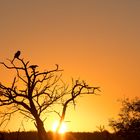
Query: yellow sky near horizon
[96, 40]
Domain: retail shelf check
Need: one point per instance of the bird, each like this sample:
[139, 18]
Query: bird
[33, 66]
[17, 54]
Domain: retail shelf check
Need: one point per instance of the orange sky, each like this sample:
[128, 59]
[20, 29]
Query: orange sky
[96, 40]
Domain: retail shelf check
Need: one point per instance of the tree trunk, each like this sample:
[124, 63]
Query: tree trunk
[42, 135]
[62, 116]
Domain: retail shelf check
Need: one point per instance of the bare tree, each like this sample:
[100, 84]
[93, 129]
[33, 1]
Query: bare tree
[32, 92]
[78, 88]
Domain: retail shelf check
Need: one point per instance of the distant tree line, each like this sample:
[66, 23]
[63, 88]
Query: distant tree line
[67, 136]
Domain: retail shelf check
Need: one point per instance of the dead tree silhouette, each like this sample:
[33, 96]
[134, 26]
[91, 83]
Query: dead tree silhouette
[35, 93]
[27, 100]
[78, 88]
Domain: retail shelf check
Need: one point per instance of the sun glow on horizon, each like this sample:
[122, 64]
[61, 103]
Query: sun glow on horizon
[63, 127]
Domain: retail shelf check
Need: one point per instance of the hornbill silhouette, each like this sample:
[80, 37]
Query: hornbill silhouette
[17, 54]
[33, 66]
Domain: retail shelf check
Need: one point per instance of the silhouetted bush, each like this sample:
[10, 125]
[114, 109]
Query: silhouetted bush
[128, 124]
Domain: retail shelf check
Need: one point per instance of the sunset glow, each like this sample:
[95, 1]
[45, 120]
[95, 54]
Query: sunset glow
[97, 41]
[63, 127]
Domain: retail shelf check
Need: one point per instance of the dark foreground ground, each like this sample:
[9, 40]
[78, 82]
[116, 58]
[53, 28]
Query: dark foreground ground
[67, 136]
